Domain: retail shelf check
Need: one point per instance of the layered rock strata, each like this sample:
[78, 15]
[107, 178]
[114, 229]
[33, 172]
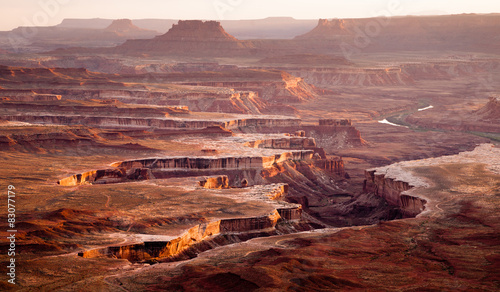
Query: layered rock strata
[215, 182]
[252, 122]
[189, 37]
[195, 237]
[393, 190]
[151, 168]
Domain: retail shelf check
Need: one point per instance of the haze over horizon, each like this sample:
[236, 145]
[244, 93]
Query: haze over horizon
[52, 12]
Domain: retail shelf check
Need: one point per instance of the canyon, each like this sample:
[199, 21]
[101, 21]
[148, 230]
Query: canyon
[189, 155]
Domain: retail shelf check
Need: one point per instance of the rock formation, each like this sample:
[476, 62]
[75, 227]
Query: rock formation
[491, 111]
[215, 182]
[180, 167]
[329, 29]
[188, 37]
[393, 191]
[195, 237]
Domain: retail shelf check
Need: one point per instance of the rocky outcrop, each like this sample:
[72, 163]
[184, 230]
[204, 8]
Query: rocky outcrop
[214, 163]
[236, 168]
[106, 176]
[215, 182]
[161, 250]
[254, 123]
[393, 190]
[491, 111]
[465, 32]
[334, 137]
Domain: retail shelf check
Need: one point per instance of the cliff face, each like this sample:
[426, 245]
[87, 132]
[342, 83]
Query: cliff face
[237, 168]
[393, 191]
[196, 238]
[164, 123]
[331, 137]
[215, 163]
[215, 182]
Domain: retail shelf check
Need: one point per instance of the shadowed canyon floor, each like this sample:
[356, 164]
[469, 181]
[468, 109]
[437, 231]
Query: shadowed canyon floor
[262, 165]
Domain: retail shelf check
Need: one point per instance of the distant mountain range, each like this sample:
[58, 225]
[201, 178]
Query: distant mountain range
[265, 37]
[268, 28]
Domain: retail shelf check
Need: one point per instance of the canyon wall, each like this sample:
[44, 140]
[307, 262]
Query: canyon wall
[159, 123]
[213, 100]
[235, 167]
[393, 191]
[215, 163]
[215, 182]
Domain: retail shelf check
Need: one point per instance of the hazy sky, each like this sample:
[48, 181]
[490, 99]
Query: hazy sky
[52, 12]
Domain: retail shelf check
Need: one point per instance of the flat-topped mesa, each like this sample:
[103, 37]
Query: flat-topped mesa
[188, 37]
[195, 239]
[411, 185]
[197, 31]
[151, 168]
[333, 166]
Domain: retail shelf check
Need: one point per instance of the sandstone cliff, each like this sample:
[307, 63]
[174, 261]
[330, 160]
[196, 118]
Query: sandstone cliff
[144, 169]
[392, 189]
[215, 182]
